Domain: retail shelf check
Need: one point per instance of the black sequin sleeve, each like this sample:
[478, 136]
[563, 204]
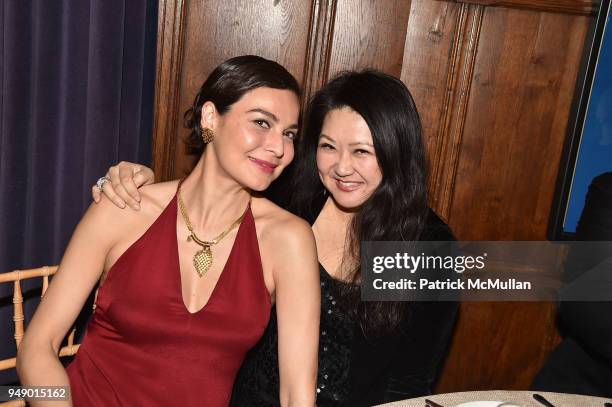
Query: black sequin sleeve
[424, 341]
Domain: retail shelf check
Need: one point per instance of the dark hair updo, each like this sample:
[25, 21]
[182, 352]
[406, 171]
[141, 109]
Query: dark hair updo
[229, 82]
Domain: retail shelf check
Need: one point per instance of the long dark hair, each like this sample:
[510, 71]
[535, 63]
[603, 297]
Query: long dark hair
[397, 209]
[227, 84]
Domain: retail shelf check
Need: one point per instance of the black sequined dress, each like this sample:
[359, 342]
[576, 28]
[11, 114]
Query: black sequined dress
[257, 383]
[355, 370]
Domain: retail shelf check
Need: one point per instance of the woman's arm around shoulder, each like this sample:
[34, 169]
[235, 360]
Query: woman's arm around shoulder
[289, 242]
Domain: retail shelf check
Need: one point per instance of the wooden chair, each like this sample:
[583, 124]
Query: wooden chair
[16, 277]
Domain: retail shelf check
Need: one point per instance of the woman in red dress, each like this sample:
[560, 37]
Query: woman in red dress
[187, 282]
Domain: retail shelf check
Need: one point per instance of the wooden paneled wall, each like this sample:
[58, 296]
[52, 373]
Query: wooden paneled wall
[493, 81]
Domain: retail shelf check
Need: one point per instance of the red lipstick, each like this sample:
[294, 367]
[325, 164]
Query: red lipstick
[265, 166]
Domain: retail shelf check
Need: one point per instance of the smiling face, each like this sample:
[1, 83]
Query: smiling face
[254, 140]
[346, 159]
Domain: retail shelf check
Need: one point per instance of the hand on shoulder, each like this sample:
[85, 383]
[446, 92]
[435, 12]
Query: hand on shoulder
[114, 226]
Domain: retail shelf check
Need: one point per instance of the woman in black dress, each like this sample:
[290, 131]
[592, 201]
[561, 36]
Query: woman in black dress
[360, 175]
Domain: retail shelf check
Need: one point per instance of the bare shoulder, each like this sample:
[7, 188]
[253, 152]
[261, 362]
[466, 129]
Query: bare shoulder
[155, 197]
[114, 225]
[288, 249]
[276, 225]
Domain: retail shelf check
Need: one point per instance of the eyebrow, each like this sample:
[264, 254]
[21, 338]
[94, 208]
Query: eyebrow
[350, 144]
[271, 116]
[359, 143]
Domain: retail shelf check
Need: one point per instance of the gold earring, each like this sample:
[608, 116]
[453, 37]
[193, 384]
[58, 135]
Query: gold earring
[207, 135]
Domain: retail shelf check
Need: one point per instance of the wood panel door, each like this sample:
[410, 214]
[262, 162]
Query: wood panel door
[493, 81]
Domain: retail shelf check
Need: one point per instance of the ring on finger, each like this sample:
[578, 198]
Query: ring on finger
[101, 181]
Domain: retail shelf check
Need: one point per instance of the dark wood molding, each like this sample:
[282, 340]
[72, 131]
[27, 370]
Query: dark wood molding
[316, 67]
[458, 83]
[580, 7]
[167, 86]
[443, 124]
[475, 23]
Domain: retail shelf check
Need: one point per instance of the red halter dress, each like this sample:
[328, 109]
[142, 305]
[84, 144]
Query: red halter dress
[144, 348]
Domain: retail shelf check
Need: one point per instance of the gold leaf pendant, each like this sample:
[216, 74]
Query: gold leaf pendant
[202, 260]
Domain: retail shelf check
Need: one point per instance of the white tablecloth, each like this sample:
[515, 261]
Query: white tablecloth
[521, 398]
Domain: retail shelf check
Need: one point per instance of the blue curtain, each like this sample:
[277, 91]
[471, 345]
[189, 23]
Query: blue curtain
[77, 81]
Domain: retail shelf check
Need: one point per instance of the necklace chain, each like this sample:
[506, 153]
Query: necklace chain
[203, 259]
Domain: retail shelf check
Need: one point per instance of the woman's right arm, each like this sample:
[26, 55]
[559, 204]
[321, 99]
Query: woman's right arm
[124, 180]
[79, 271]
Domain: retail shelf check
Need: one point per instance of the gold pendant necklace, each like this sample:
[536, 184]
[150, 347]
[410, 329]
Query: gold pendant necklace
[203, 259]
